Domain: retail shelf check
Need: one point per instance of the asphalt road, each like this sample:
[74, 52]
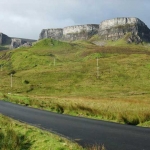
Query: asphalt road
[85, 131]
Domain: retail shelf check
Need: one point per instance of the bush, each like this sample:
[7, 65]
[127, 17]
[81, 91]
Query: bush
[26, 82]
[12, 72]
[59, 109]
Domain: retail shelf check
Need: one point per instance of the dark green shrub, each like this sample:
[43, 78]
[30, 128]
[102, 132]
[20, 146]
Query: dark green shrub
[60, 109]
[26, 82]
[12, 72]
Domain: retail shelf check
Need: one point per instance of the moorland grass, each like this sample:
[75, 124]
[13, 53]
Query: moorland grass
[129, 111]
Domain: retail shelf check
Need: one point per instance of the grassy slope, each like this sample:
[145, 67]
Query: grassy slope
[121, 93]
[4, 47]
[18, 136]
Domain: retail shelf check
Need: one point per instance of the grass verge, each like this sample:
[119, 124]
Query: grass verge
[19, 136]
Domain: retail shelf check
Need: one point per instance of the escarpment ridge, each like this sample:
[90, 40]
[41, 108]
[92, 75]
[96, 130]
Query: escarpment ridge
[14, 42]
[116, 28]
[71, 33]
[112, 29]
[4, 39]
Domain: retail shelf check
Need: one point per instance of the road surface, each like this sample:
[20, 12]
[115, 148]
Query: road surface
[84, 131]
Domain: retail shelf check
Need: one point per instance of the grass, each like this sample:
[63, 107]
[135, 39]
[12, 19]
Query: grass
[97, 147]
[128, 111]
[18, 136]
[4, 47]
[120, 93]
[15, 135]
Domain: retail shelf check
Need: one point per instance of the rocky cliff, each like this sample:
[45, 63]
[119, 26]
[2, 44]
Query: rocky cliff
[112, 29]
[18, 42]
[56, 34]
[14, 42]
[4, 39]
[78, 32]
[116, 28]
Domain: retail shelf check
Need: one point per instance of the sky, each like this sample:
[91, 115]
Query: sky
[26, 18]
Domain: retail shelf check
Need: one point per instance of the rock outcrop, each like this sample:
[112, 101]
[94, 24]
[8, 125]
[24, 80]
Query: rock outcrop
[12, 42]
[71, 33]
[4, 39]
[114, 29]
[19, 42]
[80, 32]
[56, 34]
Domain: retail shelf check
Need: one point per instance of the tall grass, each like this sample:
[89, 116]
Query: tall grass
[18, 136]
[128, 111]
[96, 147]
[9, 138]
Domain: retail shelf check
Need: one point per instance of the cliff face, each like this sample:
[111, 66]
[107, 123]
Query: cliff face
[14, 42]
[51, 33]
[18, 42]
[4, 39]
[79, 32]
[114, 29]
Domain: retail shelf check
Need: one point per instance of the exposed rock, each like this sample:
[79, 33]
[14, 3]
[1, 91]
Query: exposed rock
[99, 43]
[134, 38]
[28, 44]
[78, 32]
[4, 39]
[114, 29]
[16, 43]
[51, 33]
[19, 42]
[12, 42]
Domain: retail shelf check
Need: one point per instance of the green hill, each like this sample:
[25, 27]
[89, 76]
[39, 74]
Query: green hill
[64, 77]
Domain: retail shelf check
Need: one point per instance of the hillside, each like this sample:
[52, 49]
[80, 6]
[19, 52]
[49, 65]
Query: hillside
[64, 77]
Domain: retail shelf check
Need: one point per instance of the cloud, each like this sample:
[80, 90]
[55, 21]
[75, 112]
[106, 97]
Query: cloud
[27, 18]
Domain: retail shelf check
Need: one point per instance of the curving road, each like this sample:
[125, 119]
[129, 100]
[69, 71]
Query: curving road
[85, 131]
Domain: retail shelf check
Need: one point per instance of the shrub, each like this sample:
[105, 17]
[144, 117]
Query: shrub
[12, 72]
[26, 82]
[59, 109]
